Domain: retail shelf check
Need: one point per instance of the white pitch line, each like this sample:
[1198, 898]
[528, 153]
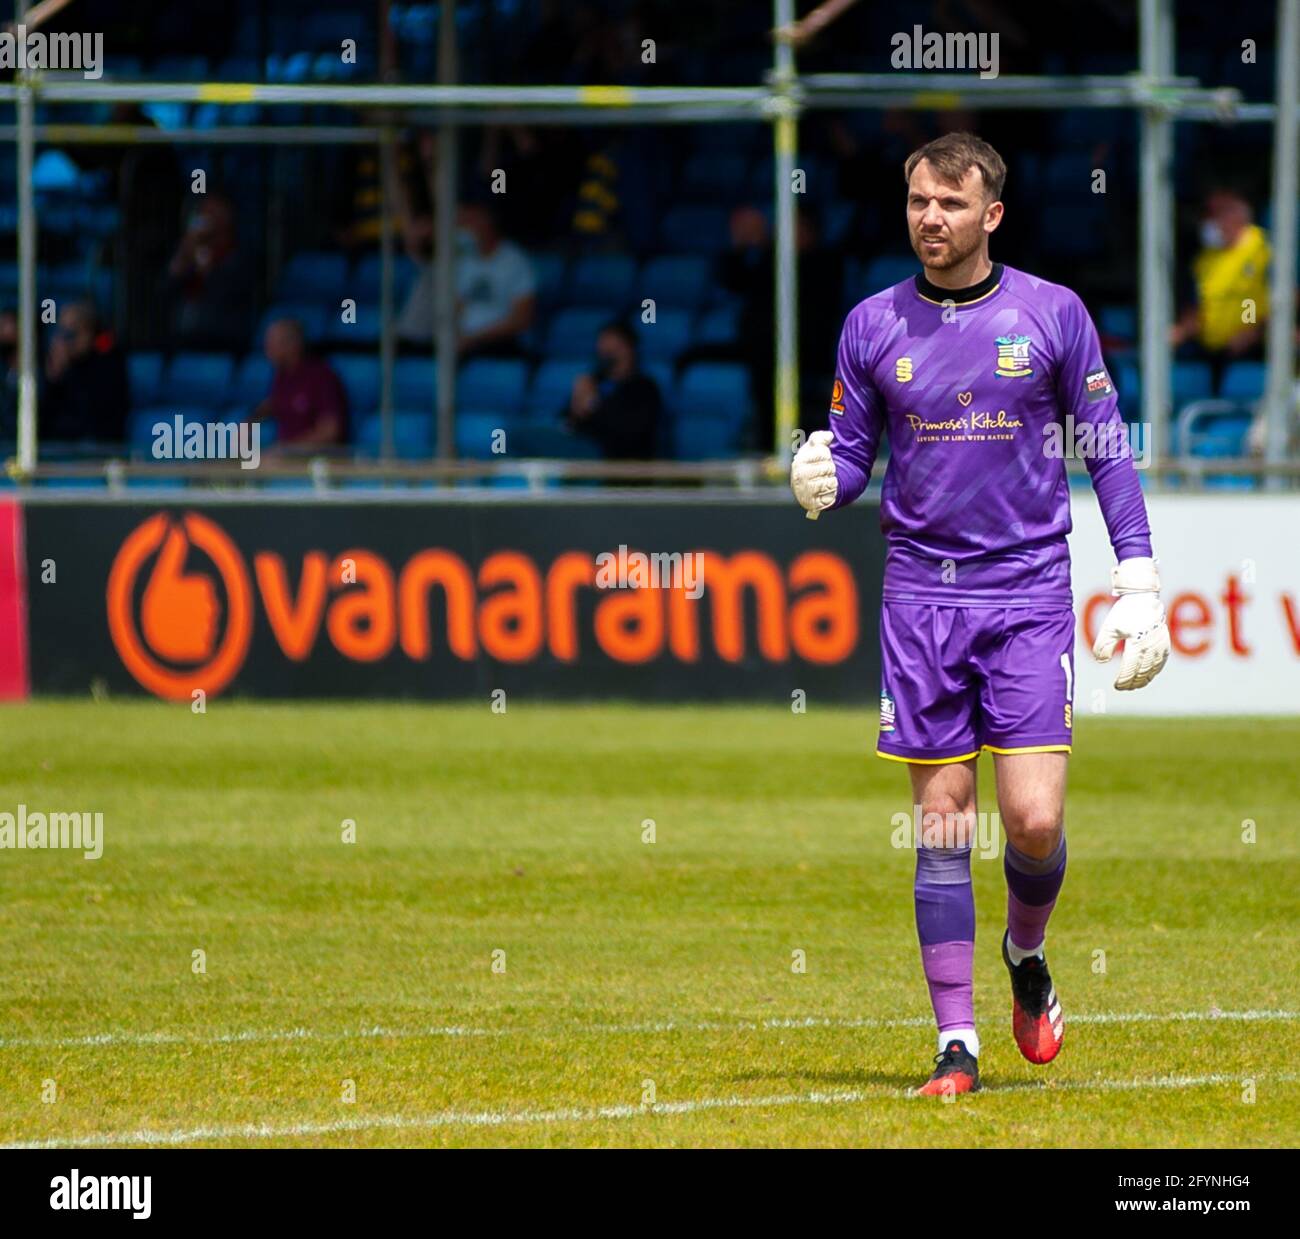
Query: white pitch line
[657, 1026]
[598, 1114]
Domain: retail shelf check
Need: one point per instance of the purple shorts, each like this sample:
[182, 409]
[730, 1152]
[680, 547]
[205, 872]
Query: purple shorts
[955, 680]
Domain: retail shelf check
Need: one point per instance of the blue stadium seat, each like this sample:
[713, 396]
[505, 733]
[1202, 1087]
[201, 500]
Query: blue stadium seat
[1129, 384]
[1119, 321]
[491, 385]
[252, 382]
[413, 435]
[365, 278]
[662, 373]
[315, 274]
[363, 333]
[694, 230]
[200, 379]
[1244, 380]
[1191, 381]
[677, 282]
[414, 383]
[572, 332]
[551, 272]
[145, 372]
[718, 326]
[1221, 436]
[476, 433]
[704, 438]
[667, 337]
[602, 280]
[552, 386]
[717, 390]
[361, 379]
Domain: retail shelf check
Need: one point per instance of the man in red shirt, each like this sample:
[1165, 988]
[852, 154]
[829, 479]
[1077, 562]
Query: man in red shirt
[307, 399]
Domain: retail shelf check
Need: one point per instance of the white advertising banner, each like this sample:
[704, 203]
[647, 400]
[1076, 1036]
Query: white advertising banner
[1230, 579]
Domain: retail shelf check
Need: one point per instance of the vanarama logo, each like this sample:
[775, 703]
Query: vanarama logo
[182, 602]
[178, 628]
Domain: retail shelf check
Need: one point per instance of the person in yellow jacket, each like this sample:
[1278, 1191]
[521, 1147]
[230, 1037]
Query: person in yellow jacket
[1226, 322]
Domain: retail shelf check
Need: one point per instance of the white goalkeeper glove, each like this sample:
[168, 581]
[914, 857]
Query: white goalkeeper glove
[812, 473]
[1138, 619]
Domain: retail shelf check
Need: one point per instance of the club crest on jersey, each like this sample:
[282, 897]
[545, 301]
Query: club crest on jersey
[837, 396]
[1013, 357]
[886, 711]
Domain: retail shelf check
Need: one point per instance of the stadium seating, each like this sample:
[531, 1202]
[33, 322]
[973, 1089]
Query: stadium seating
[603, 280]
[572, 333]
[415, 381]
[361, 379]
[413, 435]
[676, 281]
[494, 386]
[666, 337]
[252, 381]
[1244, 380]
[145, 376]
[551, 387]
[199, 379]
[309, 275]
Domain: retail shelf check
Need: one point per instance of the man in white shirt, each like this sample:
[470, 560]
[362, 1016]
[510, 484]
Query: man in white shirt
[495, 290]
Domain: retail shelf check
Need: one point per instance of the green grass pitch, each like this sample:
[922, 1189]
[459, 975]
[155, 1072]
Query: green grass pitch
[351, 993]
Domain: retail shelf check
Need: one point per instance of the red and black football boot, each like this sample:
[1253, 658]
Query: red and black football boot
[956, 1071]
[1036, 1018]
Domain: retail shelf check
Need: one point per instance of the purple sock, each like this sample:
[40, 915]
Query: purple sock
[945, 924]
[1032, 887]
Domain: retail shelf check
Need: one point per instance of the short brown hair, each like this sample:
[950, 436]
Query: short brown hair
[954, 154]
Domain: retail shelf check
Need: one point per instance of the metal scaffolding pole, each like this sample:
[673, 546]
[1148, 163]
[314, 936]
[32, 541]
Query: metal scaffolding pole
[26, 276]
[387, 339]
[1280, 392]
[1156, 227]
[785, 136]
[445, 247]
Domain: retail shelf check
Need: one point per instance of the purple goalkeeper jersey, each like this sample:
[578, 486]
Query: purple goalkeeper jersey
[979, 399]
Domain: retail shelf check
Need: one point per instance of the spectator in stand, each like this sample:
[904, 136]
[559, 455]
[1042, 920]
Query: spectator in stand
[307, 402]
[495, 288]
[208, 285]
[747, 270]
[616, 405]
[87, 394]
[1230, 270]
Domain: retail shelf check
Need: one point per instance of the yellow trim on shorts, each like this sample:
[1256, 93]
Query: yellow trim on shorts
[927, 761]
[1033, 748]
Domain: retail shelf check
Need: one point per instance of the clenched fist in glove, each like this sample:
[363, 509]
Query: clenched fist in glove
[1138, 619]
[812, 473]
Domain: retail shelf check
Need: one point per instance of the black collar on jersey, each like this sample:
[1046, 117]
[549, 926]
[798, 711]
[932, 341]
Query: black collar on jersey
[959, 296]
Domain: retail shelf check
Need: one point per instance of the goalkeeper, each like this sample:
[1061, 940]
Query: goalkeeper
[974, 369]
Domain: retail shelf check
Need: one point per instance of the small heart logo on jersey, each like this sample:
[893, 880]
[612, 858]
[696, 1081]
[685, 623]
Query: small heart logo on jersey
[964, 398]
